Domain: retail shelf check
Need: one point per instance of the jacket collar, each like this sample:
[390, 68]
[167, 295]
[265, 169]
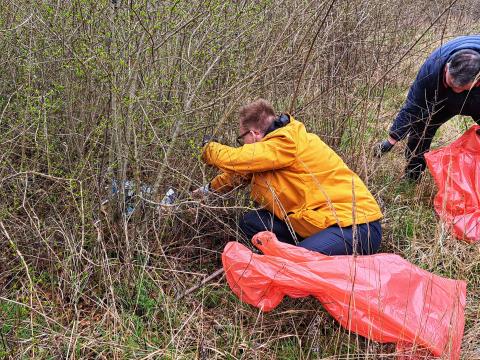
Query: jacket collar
[279, 122]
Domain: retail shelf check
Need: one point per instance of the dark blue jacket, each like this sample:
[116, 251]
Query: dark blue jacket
[429, 100]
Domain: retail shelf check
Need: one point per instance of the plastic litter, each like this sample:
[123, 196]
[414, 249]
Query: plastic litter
[129, 186]
[382, 297]
[456, 170]
[169, 198]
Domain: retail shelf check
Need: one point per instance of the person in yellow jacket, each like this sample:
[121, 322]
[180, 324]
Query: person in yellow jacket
[307, 195]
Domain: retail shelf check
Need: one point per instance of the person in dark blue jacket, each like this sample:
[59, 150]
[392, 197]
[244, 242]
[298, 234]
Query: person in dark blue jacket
[447, 84]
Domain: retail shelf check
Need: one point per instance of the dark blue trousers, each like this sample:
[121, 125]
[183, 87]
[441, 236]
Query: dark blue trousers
[334, 240]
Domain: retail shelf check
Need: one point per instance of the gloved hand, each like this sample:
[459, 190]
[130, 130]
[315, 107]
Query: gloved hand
[206, 139]
[381, 148]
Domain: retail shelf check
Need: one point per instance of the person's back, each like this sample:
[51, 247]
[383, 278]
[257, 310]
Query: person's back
[446, 85]
[316, 189]
[305, 191]
[430, 92]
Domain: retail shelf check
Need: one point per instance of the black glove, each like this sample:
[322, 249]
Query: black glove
[381, 148]
[206, 139]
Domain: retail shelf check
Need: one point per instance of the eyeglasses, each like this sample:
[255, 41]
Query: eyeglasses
[240, 138]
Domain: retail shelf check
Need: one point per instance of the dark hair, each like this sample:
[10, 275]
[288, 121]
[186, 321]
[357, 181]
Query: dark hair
[259, 114]
[464, 66]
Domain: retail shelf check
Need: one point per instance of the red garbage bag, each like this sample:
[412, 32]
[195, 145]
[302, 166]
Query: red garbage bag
[382, 297]
[456, 170]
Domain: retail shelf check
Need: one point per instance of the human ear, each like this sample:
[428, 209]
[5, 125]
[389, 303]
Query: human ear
[257, 135]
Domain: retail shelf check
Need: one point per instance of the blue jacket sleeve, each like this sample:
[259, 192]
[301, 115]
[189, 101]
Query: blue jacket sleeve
[420, 98]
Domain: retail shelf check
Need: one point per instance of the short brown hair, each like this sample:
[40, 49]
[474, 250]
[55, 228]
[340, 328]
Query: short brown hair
[259, 114]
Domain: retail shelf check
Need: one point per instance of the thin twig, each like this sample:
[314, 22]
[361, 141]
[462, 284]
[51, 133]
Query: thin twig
[201, 284]
[295, 93]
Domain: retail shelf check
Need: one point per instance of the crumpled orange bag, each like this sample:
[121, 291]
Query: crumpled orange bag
[456, 170]
[382, 297]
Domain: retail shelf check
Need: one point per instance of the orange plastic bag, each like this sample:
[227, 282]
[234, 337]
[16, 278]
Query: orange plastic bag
[382, 297]
[456, 170]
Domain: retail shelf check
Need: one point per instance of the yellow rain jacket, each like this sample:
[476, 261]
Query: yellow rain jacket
[297, 177]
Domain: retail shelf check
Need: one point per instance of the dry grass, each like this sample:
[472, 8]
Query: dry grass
[92, 92]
